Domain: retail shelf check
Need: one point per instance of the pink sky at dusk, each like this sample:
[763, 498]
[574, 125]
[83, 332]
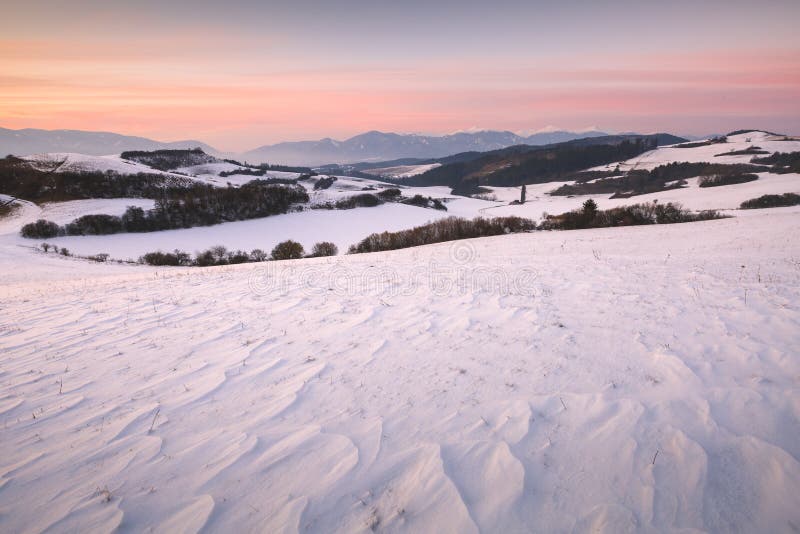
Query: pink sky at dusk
[238, 86]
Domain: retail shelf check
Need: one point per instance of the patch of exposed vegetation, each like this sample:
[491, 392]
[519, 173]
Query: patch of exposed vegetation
[707, 142]
[771, 201]
[782, 162]
[324, 183]
[751, 150]
[167, 160]
[449, 229]
[7, 208]
[243, 172]
[425, 202]
[589, 216]
[220, 255]
[726, 179]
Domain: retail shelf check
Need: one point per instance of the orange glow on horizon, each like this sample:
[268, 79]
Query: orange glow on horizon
[238, 105]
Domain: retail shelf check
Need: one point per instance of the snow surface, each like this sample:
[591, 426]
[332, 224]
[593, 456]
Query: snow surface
[610, 380]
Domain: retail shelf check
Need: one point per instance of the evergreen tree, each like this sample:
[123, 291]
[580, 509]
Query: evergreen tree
[590, 209]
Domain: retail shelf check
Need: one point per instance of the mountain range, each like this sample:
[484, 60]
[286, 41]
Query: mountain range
[383, 146]
[367, 147]
[33, 141]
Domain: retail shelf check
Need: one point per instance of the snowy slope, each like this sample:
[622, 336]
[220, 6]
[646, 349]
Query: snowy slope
[69, 162]
[206, 173]
[713, 153]
[692, 196]
[613, 380]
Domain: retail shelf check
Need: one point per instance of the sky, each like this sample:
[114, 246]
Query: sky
[243, 73]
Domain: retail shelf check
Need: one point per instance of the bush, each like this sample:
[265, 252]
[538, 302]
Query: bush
[771, 201]
[323, 183]
[325, 248]
[205, 259]
[635, 214]
[288, 250]
[389, 194]
[213, 256]
[220, 254]
[449, 229]
[94, 225]
[258, 255]
[41, 229]
[364, 200]
[726, 179]
[425, 202]
[173, 259]
[238, 257]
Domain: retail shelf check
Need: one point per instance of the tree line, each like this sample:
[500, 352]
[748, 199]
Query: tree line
[219, 255]
[199, 205]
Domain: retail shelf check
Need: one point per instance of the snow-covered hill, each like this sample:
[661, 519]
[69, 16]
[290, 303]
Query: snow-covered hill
[72, 162]
[347, 227]
[204, 173]
[714, 152]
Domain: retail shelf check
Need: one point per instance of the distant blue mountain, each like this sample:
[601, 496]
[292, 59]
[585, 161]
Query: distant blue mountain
[382, 146]
[32, 141]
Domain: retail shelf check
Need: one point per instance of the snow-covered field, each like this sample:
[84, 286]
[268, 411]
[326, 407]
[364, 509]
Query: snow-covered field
[343, 227]
[613, 380]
